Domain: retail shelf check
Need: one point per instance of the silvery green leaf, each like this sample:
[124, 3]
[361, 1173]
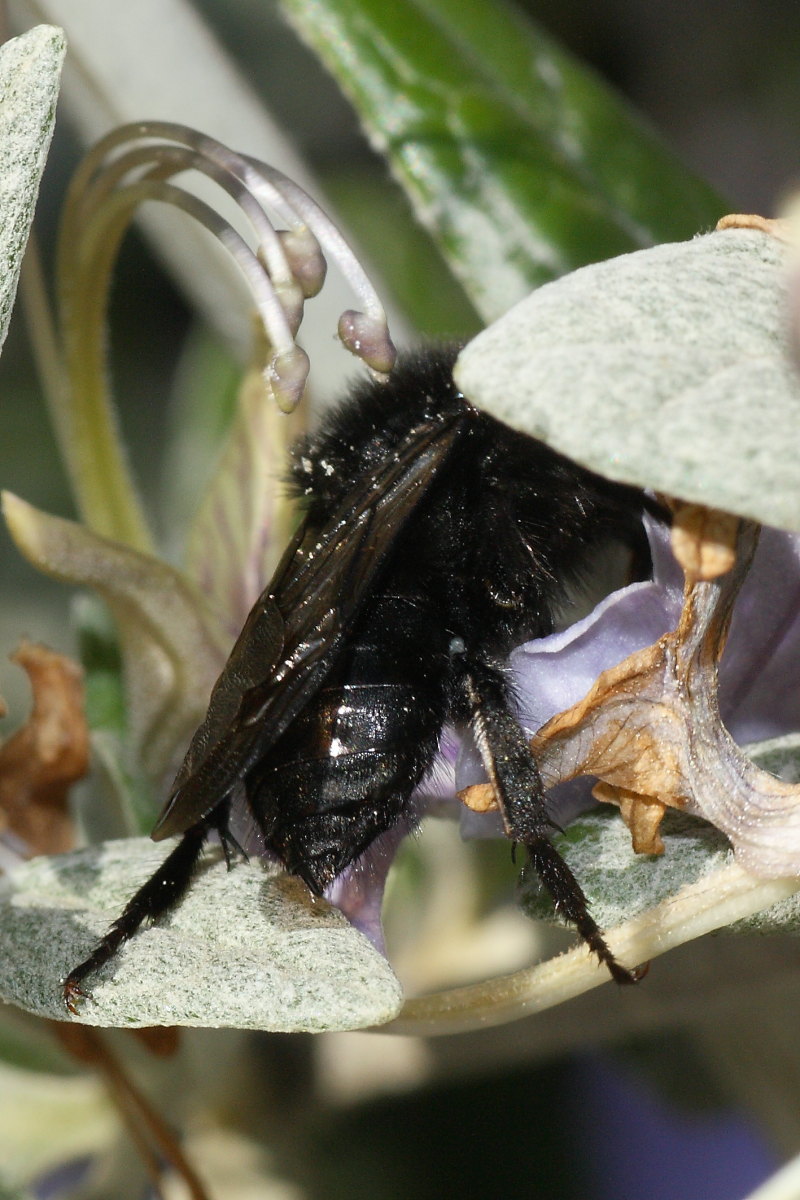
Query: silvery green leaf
[783, 917]
[645, 907]
[620, 885]
[670, 368]
[780, 756]
[30, 68]
[249, 948]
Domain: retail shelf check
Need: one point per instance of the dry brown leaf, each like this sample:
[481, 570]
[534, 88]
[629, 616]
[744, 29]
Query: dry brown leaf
[627, 730]
[40, 762]
[172, 648]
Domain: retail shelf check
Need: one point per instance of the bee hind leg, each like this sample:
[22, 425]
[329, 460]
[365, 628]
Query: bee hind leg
[518, 787]
[157, 896]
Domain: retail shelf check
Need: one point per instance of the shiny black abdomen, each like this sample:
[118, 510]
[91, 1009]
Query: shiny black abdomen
[343, 771]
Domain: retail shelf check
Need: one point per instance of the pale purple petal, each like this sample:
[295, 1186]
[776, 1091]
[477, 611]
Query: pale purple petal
[358, 891]
[550, 674]
[759, 672]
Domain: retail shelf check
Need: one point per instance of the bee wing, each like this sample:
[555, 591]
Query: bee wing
[299, 623]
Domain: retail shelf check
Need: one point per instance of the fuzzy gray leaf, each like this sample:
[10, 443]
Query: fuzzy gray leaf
[247, 949]
[671, 368]
[30, 69]
[621, 885]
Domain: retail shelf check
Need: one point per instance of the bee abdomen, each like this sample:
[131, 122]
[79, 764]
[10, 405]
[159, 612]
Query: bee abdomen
[354, 744]
[343, 771]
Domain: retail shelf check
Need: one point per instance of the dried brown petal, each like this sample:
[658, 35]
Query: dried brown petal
[778, 228]
[40, 762]
[703, 540]
[651, 726]
[627, 730]
[641, 814]
[649, 730]
[480, 797]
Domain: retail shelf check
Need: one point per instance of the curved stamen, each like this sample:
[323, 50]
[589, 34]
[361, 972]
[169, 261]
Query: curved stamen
[364, 333]
[282, 268]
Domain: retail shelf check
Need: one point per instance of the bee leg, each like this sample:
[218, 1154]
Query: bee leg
[219, 819]
[518, 786]
[161, 891]
[231, 848]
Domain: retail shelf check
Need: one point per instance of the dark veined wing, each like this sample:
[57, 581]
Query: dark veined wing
[297, 626]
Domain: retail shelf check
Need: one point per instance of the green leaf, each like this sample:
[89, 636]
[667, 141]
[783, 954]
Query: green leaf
[780, 756]
[127, 803]
[412, 269]
[100, 657]
[521, 162]
[135, 799]
[248, 948]
[672, 368]
[30, 69]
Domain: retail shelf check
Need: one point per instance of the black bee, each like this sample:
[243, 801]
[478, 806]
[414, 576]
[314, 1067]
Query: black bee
[435, 540]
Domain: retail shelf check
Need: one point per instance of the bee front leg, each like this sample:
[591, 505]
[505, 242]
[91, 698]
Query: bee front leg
[159, 894]
[518, 787]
